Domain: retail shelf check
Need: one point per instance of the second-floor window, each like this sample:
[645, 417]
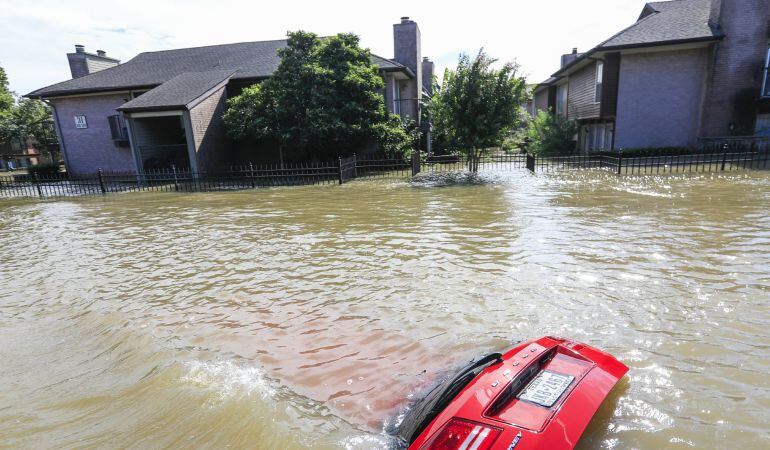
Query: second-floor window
[561, 99]
[396, 97]
[118, 130]
[766, 76]
[599, 80]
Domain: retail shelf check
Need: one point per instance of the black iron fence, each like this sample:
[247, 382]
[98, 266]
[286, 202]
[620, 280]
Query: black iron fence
[346, 169]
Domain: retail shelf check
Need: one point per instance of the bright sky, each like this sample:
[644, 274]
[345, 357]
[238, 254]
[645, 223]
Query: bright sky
[35, 35]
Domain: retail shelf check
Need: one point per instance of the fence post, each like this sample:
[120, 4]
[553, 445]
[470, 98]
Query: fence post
[251, 175]
[37, 185]
[531, 163]
[176, 182]
[724, 160]
[339, 168]
[101, 181]
[620, 162]
[415, 162]
[355, 166]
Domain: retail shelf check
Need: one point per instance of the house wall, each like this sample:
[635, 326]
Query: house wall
[541, 100]
[90, 149]
[735, 82]
[659, 98]
[582, 90]
[211, 143]
[611, 78]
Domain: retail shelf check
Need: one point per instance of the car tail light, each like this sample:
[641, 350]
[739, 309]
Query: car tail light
[460, 434]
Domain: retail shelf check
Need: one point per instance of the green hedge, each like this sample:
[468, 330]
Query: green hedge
[44, 169]
[653, 151]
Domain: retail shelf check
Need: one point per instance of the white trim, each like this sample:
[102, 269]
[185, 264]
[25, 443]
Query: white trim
[139, 115]
[198, 100]
[87, 94]
[598, 81]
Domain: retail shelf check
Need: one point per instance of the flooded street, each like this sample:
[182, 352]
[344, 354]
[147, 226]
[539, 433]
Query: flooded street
[305, 317]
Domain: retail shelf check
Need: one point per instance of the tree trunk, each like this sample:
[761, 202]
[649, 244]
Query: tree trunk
[473, 160]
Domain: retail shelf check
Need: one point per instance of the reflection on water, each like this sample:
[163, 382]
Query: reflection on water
[299, 317]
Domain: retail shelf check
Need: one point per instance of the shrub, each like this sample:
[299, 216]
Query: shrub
[651, 151]
[551, 135]
[44, 169]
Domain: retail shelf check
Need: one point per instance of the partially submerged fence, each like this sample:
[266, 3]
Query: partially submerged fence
[346, 169]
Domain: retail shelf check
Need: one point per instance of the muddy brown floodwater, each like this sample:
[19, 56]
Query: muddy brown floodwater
[306, 317]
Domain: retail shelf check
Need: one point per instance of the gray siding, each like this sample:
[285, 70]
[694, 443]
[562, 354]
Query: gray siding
[541, 100]
[208, 130]
[659, 98]
[90, 149]
[582, 89]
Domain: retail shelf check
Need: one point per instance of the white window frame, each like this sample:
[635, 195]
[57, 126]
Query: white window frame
[599, 82]
[396, 97]
[562, 94]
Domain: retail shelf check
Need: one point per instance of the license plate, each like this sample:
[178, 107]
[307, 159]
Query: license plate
[546, 388]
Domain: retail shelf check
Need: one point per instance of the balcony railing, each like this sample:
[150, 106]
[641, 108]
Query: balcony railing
[734, 144]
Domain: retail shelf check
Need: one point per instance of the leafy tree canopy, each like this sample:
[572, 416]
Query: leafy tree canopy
[6, 97]
[25, 118]
[324, 100]
[477, 106]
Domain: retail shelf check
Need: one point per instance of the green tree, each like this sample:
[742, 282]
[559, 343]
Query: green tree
[25, 118]
[477, 106]
[6, 96]
[323, 100]
[551, 134]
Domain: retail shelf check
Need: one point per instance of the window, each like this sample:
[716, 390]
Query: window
[597, 136]
[561, 99]
[599, 80]
[118, 130]
[766, 77]
[396, 97]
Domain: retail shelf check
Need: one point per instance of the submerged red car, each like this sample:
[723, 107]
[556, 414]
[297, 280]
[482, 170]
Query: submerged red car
[539, 395]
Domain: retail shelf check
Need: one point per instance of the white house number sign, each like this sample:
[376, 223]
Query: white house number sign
[80, 122]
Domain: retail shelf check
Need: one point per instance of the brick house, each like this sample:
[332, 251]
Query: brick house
[687, 69]
[165, 107]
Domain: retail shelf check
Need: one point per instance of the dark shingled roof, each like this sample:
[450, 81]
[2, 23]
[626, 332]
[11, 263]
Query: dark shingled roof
[249, 60]
[180, 91]
[661, 22]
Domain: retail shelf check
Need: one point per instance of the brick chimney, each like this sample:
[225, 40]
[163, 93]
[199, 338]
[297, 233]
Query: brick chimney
[569, 57]
[715, 13]
[408, 51]
[427, 75]
[734, 82]
[83, 63]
